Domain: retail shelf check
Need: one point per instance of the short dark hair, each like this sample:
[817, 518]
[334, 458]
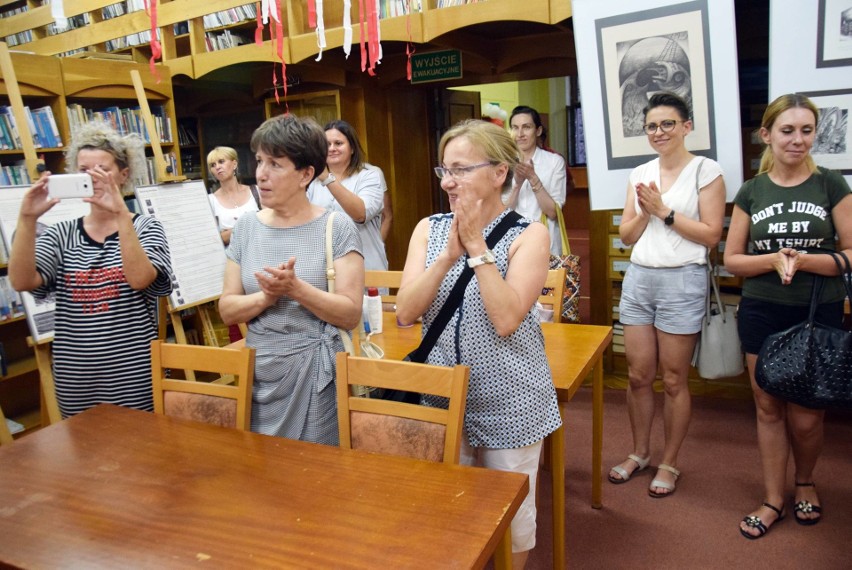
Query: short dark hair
[299, 139]
[667, 99]
[524, 110]
[356, 163]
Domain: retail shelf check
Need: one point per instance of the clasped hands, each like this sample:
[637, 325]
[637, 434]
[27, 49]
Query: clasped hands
[526, 171]
[466, 230]
[651, 200]
[786, 262]
[276, 282]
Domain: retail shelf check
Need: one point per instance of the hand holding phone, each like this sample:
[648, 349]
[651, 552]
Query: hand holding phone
[78, 185]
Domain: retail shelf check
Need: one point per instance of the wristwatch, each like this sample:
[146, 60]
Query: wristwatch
[669, 220]
[484, 259]
[328, 180]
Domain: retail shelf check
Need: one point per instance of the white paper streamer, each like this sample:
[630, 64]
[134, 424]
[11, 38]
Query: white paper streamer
[347, 27]
[57, 11]
[264, 11]
[320, 29]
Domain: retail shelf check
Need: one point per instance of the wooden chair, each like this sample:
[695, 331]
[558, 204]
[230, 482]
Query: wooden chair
[556, 284]
[225, 402]
[394, 428]
[389, 279]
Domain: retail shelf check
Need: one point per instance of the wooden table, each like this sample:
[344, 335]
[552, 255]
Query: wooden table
[573, 352]
[116, 487]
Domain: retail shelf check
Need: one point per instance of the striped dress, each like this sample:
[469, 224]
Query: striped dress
[103, 328]
[294, 391]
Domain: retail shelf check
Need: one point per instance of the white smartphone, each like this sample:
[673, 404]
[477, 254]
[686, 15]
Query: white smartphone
[77, 185]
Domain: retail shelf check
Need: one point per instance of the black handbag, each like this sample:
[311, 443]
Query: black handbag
[810, 364]
[454, 299]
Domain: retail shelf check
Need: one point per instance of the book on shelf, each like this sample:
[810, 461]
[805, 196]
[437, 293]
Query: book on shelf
[124, 120]
[14, 175]
[393, 8]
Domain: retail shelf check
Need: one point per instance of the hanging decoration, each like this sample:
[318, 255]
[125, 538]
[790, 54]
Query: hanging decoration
[318, 21]
[272, 8]
[409, 46]
[156, 47]
[312, 13]
[372, 50]
[347, 27]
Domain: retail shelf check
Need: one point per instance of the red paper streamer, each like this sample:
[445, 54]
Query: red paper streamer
[258, 32]
[156, 48]
[373, 35]
[409, 47]
[312, 13]
[362, 35]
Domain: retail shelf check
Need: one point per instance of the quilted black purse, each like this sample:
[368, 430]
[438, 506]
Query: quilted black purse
[810, 364]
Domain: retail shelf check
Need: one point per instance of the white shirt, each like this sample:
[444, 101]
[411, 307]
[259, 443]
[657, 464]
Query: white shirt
[550, 168]
[369, 185]
[660, 245]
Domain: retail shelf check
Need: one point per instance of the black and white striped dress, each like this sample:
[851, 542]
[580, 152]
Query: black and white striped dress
[103, 328]
[294, 390]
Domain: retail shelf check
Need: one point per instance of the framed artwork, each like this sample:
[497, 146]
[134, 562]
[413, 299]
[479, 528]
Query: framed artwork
[643, 52]
[834, 33]
[627, 50]
[833, 143]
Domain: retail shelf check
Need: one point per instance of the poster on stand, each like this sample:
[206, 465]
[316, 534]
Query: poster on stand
[40, 312]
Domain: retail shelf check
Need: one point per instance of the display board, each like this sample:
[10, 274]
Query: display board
[40, 312]
[197, 251]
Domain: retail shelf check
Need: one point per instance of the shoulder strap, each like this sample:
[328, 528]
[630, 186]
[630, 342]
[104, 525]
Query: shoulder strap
[330, 275]
[256, 196]
[697, 172]
[456, 295]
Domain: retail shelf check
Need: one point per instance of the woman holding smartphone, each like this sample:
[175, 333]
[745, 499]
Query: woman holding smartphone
[107, 270]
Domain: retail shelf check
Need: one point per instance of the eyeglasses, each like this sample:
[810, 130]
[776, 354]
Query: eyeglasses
[458, 172]
[666, 126]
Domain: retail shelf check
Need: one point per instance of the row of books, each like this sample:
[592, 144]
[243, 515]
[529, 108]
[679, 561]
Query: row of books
[124, 120]
[392, 8]
[141, 38]
[187, 135]
[11, 305]
[448, 3]
[72, 23]
[149, 177]
[14, 174]
[230, 16]
[42, 125]
[225, 40]
[20, 37]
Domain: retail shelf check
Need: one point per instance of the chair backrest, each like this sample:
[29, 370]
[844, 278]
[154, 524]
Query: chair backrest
[225, 401]
[388, 279]
[555, 287]
[396, 428]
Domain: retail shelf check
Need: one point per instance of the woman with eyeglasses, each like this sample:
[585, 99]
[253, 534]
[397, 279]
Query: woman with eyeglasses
[511, 401]
[355, 188]
[673, 214]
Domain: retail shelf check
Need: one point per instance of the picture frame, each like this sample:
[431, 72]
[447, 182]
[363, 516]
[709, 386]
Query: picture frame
[832, 146]
[665, 48]
[834, 34]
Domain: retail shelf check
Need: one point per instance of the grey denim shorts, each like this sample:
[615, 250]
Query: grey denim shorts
[670, 298]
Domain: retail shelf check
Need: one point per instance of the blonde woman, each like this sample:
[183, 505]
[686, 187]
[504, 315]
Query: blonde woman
[787, 213]
[232, 199]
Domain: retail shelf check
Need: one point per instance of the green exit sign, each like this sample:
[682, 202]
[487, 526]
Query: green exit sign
[436, 66]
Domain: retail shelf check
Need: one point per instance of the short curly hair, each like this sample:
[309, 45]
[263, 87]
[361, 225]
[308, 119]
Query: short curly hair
[127, 150]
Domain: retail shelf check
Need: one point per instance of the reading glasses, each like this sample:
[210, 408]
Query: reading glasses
[458, 172]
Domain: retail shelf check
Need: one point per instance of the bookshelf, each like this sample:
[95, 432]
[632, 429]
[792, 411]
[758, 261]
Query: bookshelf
[41, 93]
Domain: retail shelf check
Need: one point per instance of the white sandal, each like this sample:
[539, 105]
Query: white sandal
[625, 476]
[669, 487]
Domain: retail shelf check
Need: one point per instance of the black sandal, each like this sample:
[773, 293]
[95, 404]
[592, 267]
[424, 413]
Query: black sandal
[755, 522]
[806, 507]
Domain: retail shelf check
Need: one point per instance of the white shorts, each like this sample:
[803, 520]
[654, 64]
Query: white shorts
[520, 460]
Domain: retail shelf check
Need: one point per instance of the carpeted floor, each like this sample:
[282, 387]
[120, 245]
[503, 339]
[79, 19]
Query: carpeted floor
[697, 527]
